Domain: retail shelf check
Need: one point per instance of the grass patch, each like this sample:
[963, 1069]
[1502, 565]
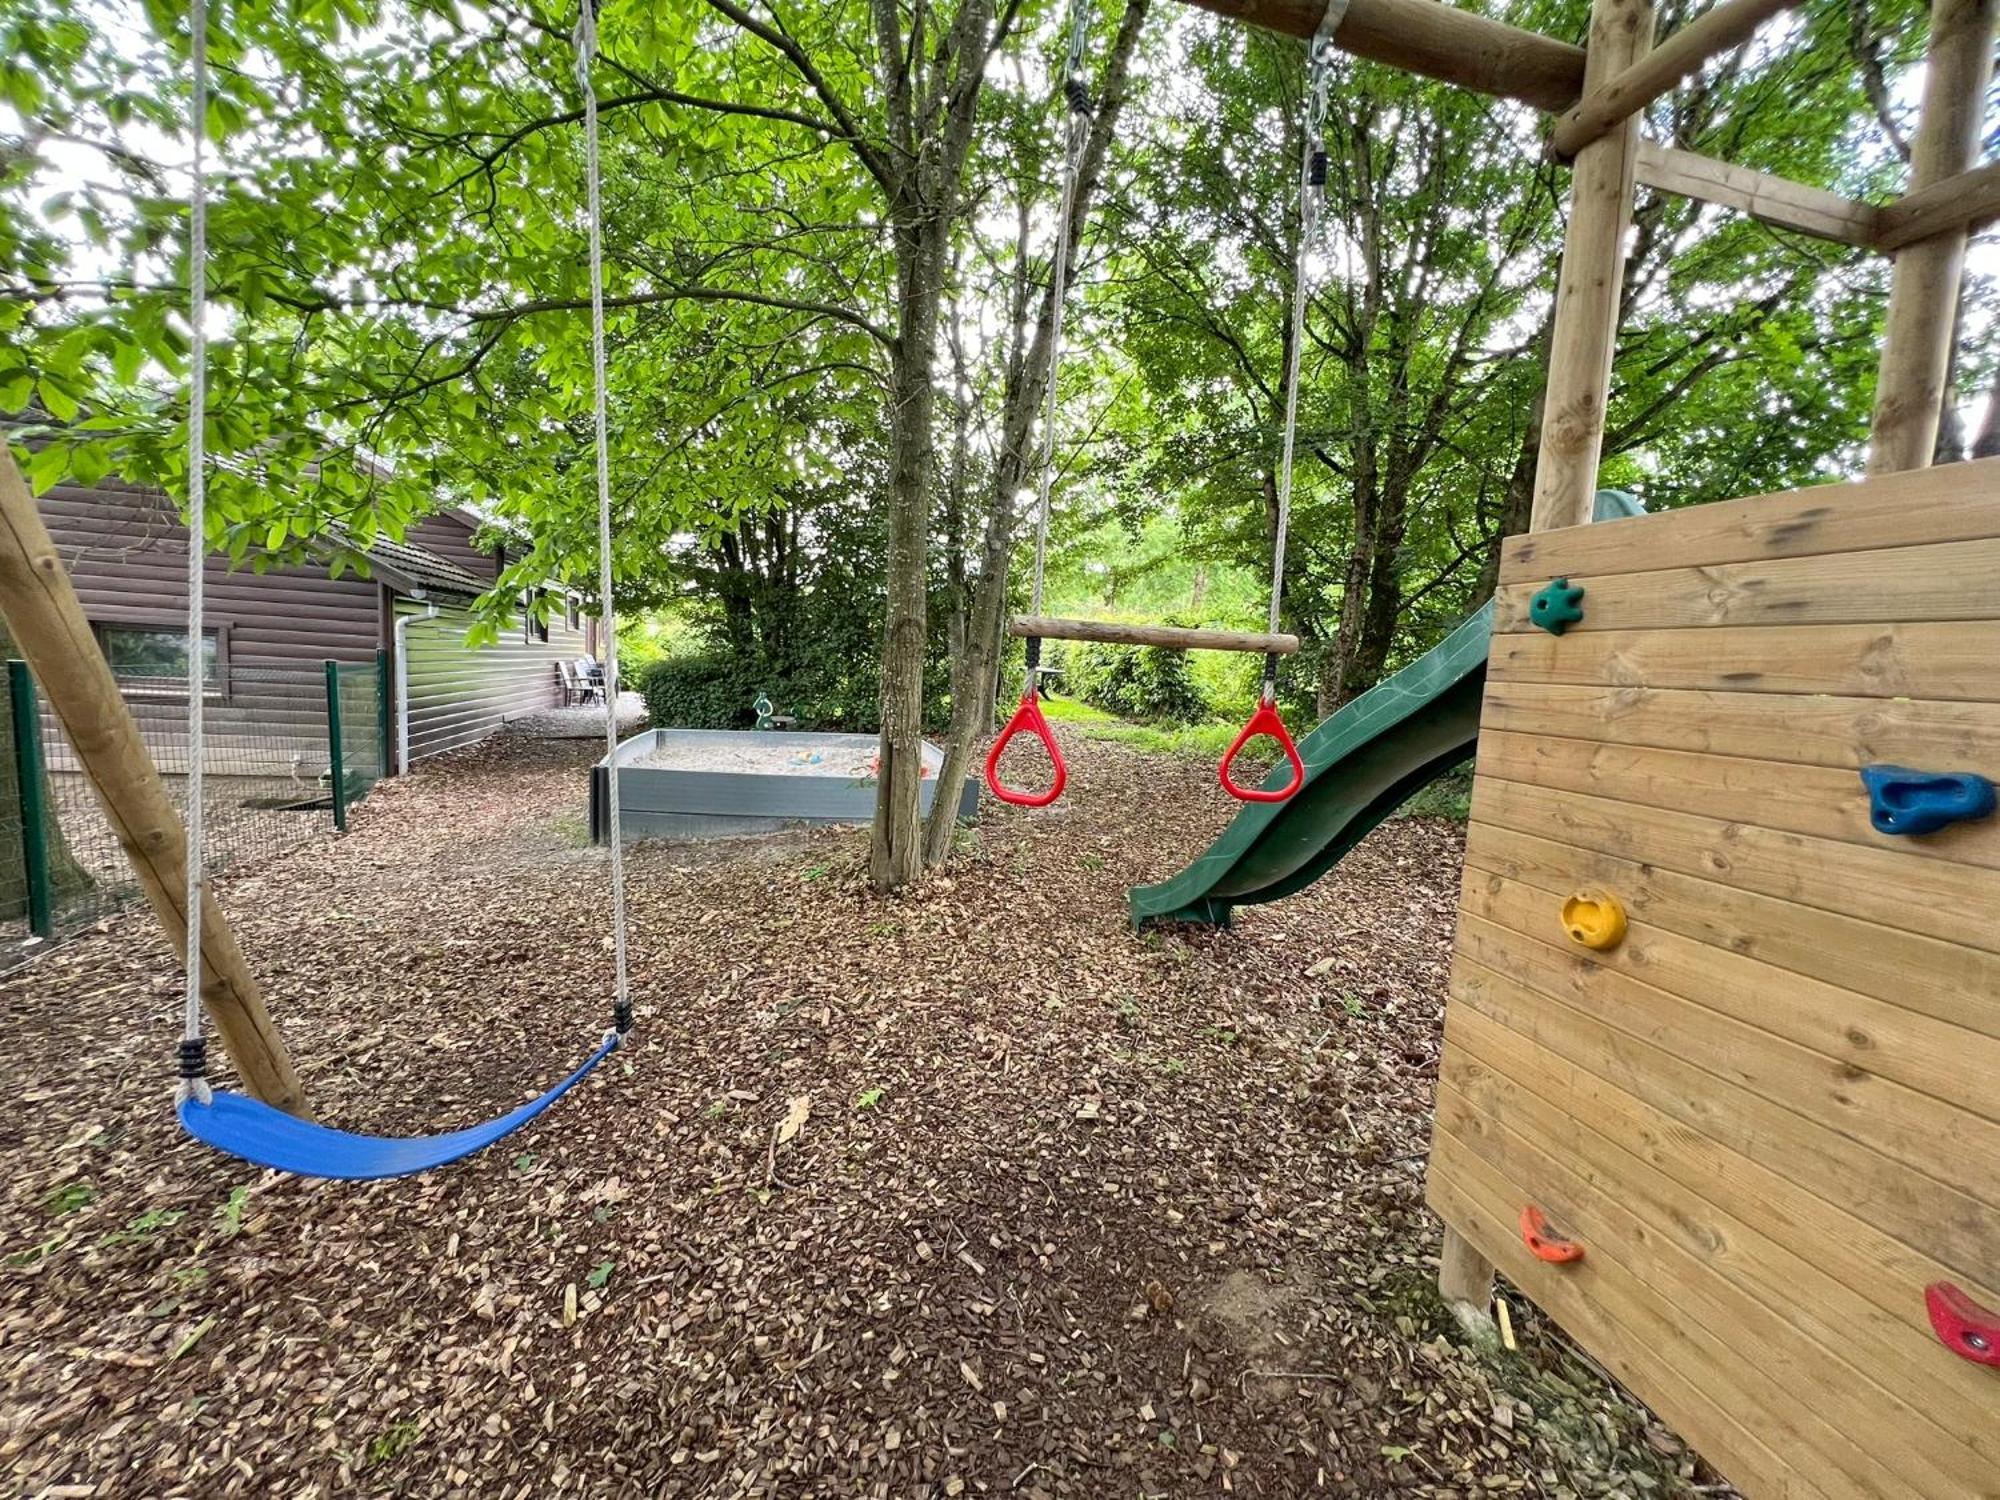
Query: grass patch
[1147, 739]
[1450, 796]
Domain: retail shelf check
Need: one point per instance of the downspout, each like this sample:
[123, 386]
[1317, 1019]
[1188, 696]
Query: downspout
[403, 685]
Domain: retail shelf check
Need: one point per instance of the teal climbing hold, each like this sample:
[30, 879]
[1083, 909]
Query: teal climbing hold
[1557, 606]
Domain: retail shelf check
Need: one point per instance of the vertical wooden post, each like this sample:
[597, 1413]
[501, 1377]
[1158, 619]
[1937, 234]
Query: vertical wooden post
[49, 627]
[1592, 280]
[1465, 1280]
[1923, 295]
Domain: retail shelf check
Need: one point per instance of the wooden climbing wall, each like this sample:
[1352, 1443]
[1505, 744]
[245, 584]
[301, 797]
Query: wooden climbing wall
[1772, 1113]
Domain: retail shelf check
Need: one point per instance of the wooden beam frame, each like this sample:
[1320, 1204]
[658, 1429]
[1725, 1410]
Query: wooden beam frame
[1172, 637]
[1777, 201]
[1923, 294]
[1966, 201]
[54, 637]
[1435, 39]
[1607, 105]
[1588, 292]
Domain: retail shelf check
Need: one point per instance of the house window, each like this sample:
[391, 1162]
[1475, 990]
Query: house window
[534, 629]
[572, 612]
[153, 658]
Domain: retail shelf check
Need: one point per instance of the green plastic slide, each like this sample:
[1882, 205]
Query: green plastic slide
[1362, 763]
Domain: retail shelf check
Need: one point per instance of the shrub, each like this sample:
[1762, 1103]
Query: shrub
[696, 692]
[1149, 683]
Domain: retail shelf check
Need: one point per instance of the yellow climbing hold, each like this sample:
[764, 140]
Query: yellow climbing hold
[1595, 919]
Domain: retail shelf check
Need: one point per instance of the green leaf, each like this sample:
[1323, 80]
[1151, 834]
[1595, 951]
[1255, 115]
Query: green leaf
[46, 466]
[61, 405]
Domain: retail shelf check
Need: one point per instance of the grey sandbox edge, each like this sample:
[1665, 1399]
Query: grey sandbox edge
[655, 802]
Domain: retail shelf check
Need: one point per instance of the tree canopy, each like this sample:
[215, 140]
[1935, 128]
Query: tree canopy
[828, 230]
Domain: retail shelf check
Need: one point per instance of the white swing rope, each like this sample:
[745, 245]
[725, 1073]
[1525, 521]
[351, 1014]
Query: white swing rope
[1312, 191]
[1076, 89]
[193, 1066]
[193, 1083]
[585, 41]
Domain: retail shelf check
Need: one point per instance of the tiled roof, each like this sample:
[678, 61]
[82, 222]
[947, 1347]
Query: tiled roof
[405, 567]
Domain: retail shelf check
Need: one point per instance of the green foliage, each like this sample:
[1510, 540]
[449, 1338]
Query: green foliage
[70, 1198]
[1147, 683]
[229, 1217]
[1450, 796]
[696, 692]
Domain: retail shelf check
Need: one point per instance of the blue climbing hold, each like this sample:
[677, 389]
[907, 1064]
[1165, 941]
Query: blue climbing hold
[1557, 606]
[1916, 802]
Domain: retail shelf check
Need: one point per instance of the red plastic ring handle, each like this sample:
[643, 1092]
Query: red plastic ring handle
[1968, 1330]
[1542, 1242]
[1027, 718]
[1263, 722]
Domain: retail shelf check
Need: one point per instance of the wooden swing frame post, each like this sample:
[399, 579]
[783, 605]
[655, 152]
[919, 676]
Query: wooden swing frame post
[55, 639]
[1923, 293]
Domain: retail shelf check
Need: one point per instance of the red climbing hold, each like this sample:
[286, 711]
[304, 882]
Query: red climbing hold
[1968, 1330]
[1264, 722]
[1542, 1242]
[1028, 717]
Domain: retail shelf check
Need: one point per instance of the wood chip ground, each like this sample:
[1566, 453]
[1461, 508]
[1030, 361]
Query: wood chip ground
[969, 1192]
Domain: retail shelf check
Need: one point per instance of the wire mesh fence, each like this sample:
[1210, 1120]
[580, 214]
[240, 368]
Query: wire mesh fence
[286, 748]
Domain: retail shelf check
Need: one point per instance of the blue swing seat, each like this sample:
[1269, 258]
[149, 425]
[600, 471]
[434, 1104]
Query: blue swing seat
[266, 1137]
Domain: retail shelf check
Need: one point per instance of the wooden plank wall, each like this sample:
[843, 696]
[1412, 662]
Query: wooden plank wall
[1771, 1113]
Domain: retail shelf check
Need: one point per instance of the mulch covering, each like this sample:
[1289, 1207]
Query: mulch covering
[967, 1192]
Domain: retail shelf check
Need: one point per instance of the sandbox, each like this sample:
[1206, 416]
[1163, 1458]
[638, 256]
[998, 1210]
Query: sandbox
[714, 783]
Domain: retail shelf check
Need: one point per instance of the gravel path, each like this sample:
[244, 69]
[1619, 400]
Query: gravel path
[969, 1192]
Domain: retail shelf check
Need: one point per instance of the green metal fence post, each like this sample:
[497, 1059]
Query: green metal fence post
[336, 771]
[382, 711]
[28, 774]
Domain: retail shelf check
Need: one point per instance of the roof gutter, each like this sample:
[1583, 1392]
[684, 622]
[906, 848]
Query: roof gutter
[400, 631]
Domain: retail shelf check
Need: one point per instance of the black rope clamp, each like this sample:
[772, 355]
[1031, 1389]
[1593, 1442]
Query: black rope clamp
[1076, 89]
[1270, 677]
[1034, 649]
[621, 1016]
[194, 1058]
[1316, 175]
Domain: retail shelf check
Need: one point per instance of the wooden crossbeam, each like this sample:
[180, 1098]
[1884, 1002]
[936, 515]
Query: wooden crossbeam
[1437, 40]
[1173, 637]
[1718, 29]
[1965, 201]
[1775, 200]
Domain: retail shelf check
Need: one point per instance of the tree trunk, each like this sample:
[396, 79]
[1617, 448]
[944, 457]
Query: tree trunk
[896, 852]
[1336, 666]
[972, 717]
[1517, 500]
[923, 205]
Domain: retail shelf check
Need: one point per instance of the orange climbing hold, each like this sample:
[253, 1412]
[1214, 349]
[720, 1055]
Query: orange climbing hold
[1544, 1243]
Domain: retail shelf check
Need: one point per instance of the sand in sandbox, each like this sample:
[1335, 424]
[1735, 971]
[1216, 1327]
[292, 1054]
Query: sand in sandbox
[754, 758]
